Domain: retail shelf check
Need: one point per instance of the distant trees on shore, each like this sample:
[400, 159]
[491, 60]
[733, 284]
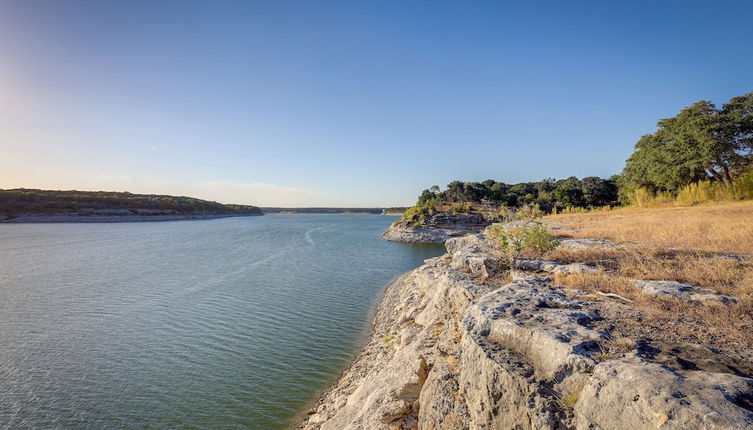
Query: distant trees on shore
[547, 193]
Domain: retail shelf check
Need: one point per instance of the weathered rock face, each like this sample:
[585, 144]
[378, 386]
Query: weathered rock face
[436, 229]
[454, 347]
[684, 291]
[399, 232]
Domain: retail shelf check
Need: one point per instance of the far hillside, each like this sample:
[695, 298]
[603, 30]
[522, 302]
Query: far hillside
[21, 201]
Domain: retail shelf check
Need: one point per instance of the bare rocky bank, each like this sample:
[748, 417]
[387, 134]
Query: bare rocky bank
[437, 229]
[460, 343]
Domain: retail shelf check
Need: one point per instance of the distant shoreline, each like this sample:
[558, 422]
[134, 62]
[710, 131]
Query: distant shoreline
[38, 219]
[325, 213]
[320, 210]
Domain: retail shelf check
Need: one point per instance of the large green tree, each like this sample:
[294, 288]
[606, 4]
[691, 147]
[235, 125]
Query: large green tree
[700, 142]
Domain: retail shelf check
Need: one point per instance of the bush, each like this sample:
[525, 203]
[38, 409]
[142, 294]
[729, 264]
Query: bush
[417, 215]
[526, 236]
[461, 208]
[502, 214]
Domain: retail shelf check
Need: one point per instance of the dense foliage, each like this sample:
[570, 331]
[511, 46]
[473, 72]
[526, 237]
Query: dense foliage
[27, 201]
[701, 143]
[548, 194]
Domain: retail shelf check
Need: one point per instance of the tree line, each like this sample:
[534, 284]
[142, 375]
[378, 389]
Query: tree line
[548, 194]
[702, 147]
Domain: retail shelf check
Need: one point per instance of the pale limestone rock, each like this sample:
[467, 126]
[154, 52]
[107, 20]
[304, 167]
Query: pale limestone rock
[473, 254]
[553, 266]
[587, 244]
[683, 291]
[467, 356]
[407, 234]
[633, 394]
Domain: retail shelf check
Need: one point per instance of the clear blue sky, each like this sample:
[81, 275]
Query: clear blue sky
[349, 103]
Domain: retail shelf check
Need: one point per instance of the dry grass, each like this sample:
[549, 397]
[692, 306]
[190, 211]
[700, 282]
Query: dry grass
[717, 228]
[692, 245]
[709, 246]
[687, 244]
[731, 323]
[599, 282]
[723, 275]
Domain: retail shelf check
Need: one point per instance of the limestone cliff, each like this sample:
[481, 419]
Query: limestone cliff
[436, 229]
[459, 343]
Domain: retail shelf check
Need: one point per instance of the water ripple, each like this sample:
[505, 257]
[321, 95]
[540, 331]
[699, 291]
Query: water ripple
[221, 324]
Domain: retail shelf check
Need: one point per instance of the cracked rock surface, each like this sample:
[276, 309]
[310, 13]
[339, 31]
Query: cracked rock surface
[456, 345]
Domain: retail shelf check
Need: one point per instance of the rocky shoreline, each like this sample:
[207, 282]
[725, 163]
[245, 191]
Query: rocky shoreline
[437, 229]
[461, 343]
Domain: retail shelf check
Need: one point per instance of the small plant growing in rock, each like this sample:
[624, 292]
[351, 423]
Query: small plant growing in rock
[621, 345]
[602, 355]
[569, 399]
[527, 235]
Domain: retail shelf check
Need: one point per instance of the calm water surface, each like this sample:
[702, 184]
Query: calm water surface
[229, 323]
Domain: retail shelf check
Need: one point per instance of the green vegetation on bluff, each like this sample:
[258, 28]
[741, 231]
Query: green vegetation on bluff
[704, 153]
[43, 202]
[548, 193]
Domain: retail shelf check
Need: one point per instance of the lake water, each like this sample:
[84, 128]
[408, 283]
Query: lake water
[227, 323]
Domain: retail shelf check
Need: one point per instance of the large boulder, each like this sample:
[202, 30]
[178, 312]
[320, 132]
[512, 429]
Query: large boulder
[634, 394]
[475, 255]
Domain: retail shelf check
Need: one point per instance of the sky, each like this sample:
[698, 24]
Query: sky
[352, 103]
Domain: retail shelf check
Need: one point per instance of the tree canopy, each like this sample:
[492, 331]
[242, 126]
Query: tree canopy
[547, 193]
[701, 142]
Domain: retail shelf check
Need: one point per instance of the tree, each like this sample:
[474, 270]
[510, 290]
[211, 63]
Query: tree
[700, 142]
[474, 192]
[454, 192]
[737, 129]
[426, 196]
[598, 192]
[498, 191]
[568, 192]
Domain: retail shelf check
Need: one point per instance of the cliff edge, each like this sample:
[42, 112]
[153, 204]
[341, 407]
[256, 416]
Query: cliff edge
[436, 229]
[463, 343]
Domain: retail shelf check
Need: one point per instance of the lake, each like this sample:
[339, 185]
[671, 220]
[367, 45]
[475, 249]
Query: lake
[215, 324]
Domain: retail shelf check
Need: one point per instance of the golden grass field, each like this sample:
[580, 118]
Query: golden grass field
[709, 246]
[718, 227]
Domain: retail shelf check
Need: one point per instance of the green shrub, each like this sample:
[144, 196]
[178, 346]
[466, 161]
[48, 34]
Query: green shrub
[418, 214]
[461, 208]
[526, 236]
[502, 214]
